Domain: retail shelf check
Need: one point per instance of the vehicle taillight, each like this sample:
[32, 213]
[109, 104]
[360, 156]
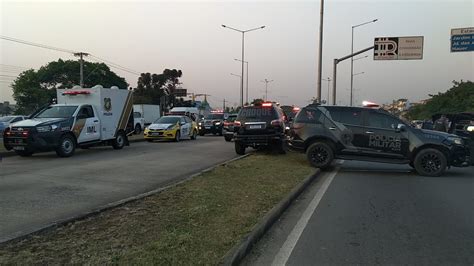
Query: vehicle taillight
[277, 123]
[267, 104]
[237, 123]
[24, 134]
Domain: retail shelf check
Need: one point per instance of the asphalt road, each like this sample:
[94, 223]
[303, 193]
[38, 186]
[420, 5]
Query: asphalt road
[41, 189]
[376, 214]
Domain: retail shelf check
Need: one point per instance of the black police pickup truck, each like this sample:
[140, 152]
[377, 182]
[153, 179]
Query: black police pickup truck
[354, 133]
[259, 125]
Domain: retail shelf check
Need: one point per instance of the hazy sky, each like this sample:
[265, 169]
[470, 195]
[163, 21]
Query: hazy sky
[149, 36]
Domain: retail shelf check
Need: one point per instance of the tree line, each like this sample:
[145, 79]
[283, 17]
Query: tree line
[35, 88]
[459, 98]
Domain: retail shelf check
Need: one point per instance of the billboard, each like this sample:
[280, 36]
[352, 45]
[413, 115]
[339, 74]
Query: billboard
[462, 40]
[398, 48]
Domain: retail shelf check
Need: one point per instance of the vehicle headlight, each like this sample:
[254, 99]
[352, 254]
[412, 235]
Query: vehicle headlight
[43, 129]
[454, 140]
[470, 128]
[217, 123]
[199, 123]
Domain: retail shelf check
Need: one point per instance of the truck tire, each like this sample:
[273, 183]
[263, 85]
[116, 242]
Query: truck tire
[138, 129]
[119, 141]
[320, 154]
[24, 153]
[221, 132]
[67, 146]
[239, 148]
[228, 138]
[430, 162]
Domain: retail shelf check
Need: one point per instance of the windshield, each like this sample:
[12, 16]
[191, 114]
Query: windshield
[167, 120]
[214, 116]
[57, 112]
[231, 118]
[6, 118]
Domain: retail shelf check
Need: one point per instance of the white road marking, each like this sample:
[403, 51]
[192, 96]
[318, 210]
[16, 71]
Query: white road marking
[285, 251]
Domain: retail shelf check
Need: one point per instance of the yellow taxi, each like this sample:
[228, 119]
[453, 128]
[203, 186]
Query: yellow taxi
[172, 127]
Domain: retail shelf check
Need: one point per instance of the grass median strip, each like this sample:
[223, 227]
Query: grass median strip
[195, 222]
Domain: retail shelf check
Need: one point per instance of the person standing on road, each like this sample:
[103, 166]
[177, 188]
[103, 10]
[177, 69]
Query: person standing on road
[441, 124]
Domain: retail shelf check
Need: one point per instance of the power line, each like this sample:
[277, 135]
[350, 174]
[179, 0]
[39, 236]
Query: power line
[8, 76]
[112, 64]
[13, 66]
[115, 65]
[37, 44]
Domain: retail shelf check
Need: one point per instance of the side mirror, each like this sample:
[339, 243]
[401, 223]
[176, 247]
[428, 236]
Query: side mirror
[401, 128]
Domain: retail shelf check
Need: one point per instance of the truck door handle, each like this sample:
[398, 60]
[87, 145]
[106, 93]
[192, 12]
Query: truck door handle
[369, 132]
[332, 128]
[95, 121]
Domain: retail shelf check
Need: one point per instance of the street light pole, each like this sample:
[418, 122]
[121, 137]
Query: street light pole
[243, 44]
[352, 51]
[247, 77]
[320, 60]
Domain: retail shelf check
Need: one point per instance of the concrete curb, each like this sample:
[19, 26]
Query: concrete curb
[6, 154]
[238, 252]
[109, 206]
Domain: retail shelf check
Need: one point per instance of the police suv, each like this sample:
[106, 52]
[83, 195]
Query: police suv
[355, 133]
[82, 117]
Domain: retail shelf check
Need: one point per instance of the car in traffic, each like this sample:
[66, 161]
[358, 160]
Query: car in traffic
[326, 133]
[260, 125]
[228, 129]
[171, 127]
[212, 123]
[6, 121]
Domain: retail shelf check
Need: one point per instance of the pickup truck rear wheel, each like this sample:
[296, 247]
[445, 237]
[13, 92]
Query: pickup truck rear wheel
[239, 148]
[320, 154]
[430, 162]
[67, 146]
[119, 141]
[228, 138]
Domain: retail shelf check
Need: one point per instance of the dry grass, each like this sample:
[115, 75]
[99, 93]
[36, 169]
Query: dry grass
[196, 222]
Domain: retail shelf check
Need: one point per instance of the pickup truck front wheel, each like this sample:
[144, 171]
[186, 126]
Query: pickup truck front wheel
[67, 146]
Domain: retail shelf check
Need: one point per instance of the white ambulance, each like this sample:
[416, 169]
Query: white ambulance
[81, 118]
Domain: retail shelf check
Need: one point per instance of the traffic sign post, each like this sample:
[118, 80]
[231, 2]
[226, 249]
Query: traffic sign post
[398, 48]
[462, 40]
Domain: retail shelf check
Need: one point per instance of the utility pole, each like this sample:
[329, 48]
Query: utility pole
[266, 87]
[223, 107]
[81, 71]
[320, 60]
